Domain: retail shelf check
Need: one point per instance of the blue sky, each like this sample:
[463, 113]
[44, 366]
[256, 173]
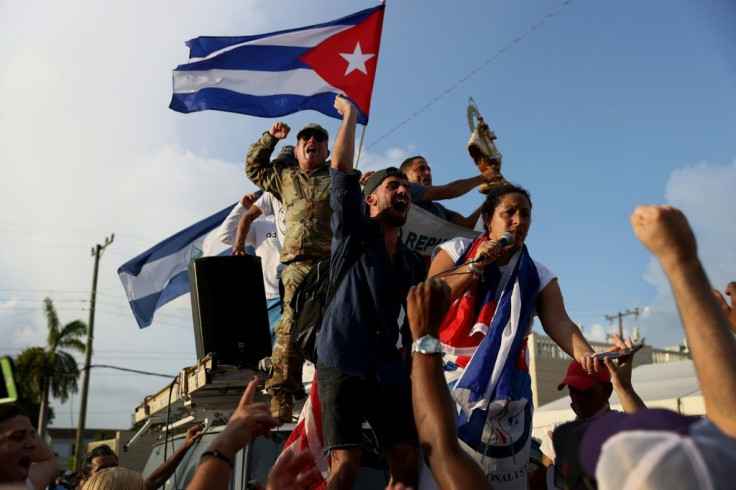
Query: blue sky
[604, 106]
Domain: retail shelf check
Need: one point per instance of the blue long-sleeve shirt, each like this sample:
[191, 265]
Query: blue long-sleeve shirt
[360, 329]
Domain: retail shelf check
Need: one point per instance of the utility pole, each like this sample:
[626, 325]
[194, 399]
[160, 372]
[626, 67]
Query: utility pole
[96, 253]
[620, 316]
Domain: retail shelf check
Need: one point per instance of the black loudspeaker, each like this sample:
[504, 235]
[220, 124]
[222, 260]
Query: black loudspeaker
[229, 309]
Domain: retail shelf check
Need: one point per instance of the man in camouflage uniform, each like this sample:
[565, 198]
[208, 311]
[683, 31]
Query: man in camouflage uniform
[304, 192]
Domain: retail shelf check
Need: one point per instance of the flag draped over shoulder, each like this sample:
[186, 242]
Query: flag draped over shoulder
[159, 274]
[275, 74]
[483, 387]
[489, 376]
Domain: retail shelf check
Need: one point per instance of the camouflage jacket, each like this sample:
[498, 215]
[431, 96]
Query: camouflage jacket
[305, 196]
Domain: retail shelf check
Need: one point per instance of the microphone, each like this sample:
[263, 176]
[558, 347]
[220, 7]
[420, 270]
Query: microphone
[505, 240]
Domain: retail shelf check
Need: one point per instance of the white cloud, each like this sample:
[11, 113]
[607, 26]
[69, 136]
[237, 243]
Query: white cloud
[27, 336]
[705, 193]
[18, 318]
[392, 157]
[89, 147]
[597, 332]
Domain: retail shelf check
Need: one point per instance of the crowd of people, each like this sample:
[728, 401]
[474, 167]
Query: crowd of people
[476, 345]
[436, 360]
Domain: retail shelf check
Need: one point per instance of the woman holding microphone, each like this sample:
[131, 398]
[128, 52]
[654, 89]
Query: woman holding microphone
[497, 289]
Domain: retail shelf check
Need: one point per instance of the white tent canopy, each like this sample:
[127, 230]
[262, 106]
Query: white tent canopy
[671, 385]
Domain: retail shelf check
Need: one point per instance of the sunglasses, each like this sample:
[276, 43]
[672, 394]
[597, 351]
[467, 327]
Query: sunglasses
[318, 136]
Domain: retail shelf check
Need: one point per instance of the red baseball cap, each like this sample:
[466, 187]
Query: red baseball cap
[580, 380]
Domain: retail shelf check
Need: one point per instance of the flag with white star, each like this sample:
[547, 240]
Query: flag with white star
[271, 75]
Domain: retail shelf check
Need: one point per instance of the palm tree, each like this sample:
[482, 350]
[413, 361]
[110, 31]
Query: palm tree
[51, 369]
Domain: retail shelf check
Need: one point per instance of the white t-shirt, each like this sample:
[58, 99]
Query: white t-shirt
[263, 236]
[270, 206]
[457, 246]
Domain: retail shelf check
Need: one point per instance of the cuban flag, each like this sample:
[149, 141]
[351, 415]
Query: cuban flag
[279, 73]
[160, 274]
[487, 383]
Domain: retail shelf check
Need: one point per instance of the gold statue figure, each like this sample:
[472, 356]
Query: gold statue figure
[481, 147]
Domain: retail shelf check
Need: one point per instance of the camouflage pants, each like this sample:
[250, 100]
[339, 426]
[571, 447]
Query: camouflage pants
[287, 363]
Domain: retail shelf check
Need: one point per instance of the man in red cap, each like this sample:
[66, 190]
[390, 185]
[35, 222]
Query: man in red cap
[589, 393]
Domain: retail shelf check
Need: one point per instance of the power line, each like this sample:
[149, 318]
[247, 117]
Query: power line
[44, 230]
[158, 322]
[32, 244]
[472, 72]
[48, 228]
[135, 371]
[152, 355]
[80, 300]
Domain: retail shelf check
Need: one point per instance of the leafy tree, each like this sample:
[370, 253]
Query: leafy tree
[31, 406]
[51, 369]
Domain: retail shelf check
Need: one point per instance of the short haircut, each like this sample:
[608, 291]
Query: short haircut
[496, 194]
[117, 478]
[101, 450]
[10, 410]
[406, 164]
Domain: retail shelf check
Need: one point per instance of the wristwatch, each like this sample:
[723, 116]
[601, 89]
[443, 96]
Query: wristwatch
[426, 345]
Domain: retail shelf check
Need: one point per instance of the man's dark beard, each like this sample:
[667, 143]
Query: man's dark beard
[391, 219]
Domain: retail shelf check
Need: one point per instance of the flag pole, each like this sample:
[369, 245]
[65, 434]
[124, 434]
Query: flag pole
[360, 146]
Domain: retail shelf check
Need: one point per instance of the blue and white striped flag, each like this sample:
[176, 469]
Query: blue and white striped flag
[279, 73]
[159, 274]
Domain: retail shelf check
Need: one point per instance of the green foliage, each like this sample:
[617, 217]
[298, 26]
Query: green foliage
[36, 364]
[32, 407]
[51, 369]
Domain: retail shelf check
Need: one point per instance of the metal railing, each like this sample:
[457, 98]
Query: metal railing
[546, 348]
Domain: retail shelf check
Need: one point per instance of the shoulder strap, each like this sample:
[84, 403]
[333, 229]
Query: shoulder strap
[341, 276]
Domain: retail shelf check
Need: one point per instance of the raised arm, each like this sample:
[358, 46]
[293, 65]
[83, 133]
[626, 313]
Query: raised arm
[728, 310]
[434, 410]
[460, 187]
[258, 166]
[44, 466]
[621, 377]
[228, 229]
[468, 221]
[665, 231]
[343, 152]
[159, 476]
[243, 228]
[247, 421]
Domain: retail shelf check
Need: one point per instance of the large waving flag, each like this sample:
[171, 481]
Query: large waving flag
[271, 75]
[159, 274]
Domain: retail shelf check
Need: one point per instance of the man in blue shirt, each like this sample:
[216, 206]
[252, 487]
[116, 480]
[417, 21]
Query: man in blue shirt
[424, 194]
[360, 372]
